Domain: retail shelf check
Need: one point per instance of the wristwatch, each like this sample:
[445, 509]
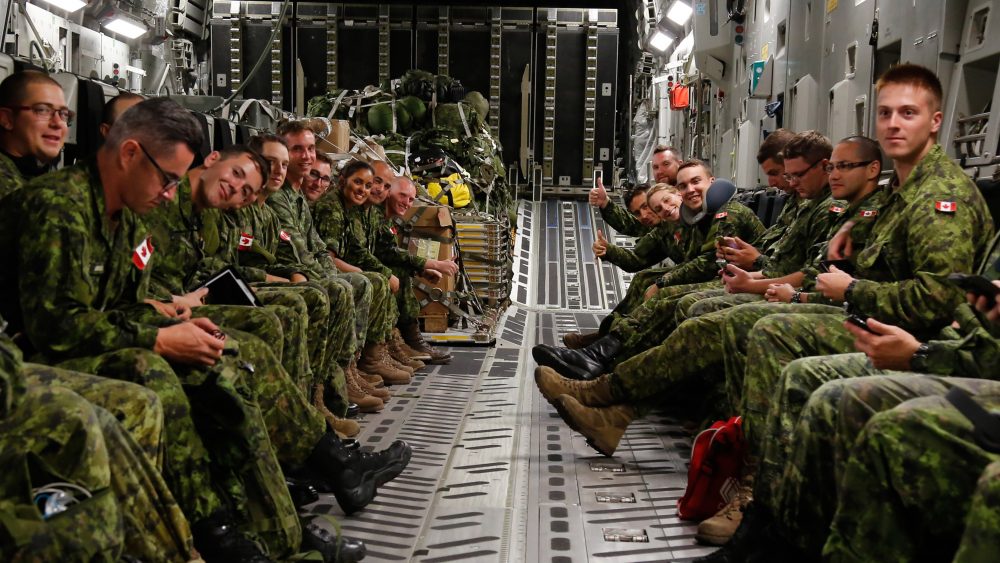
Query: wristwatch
[797, 296]
[661, 282]
[919, 358]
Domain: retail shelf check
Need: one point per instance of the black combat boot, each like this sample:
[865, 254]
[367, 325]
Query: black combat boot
[586, 363]
[303, 492]
[352, 475]
[335, 549]
[217, 539]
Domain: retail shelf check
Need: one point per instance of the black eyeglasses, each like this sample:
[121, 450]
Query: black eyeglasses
[44, 112]
[169, 181]
[845, 166]
[317, 176]
[798, 176]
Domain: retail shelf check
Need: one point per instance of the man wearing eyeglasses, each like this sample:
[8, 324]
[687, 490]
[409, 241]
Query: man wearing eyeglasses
[34, 122]
[317, 182]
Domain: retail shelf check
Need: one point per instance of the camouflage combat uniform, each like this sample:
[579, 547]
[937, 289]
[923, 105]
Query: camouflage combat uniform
[912, 247]
[647, 325]
[67, 438]
[301, 244]
[342, 231]
[662, 242]
[11, 178]
[914, 471]
[382, 242]
[622, 220]
[78, 279]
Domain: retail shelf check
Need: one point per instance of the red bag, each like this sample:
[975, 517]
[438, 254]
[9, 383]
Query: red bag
[679, 97]
[717, 460]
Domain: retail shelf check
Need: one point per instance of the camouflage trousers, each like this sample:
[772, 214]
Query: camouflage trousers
[131, 510]
[406, 300]
[805, 497]
[364, 296]
[704, 302]
[384, 313]
[913, 474]
[706, 348]
[653, 320]
[635, 295]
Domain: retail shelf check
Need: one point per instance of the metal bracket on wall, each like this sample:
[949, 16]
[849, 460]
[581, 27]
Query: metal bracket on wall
[549, 121]
[331, 47]
[276, 67]
[496, 32]
[590, 104]
[383, 42]
[235, 51]
[443, 42]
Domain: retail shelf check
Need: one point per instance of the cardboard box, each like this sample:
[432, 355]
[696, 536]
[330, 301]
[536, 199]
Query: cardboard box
[333, 135]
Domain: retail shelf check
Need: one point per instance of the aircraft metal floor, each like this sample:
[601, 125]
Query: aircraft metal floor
[495, 474]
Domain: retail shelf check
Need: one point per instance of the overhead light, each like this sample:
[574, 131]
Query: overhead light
[593, 15]
[125, 27]
[660, 41]
[67, 5]
[679, 12]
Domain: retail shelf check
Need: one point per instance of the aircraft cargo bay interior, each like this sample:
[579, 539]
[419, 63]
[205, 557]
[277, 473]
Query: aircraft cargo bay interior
[555, 280]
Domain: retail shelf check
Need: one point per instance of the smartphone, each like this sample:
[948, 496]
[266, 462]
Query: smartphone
[860, 321]
[978, 285]
[721, 241]
[722, 266]
[843, 265]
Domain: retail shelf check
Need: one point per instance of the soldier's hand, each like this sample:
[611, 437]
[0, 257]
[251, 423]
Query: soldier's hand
[600, 245]
[298, 278]
[189, 343]
[170, 310]
[394, 284]
[779, 293]
[191, 300]
[650, 292]
[275, 279]
[743, 255]
[449, 266]
[736, 279]
[432, 275]
[984, 305]
[888, 346]
[840, 246]
[833, 284]
[598, 195]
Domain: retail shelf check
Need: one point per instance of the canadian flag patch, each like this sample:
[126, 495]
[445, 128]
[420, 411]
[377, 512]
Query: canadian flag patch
[677, 236]
[722, 215]
[945, 206]
[393, 230]
[142, 253]
[285, 236]
[868, 212]
[836, 209]
[246, 242]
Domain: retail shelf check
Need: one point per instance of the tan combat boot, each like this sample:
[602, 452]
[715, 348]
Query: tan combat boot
[373, 362]
[603, 427]
[410, 351]
[347, 428]
[577, 340]
[395, 345]
[373, 379]
[593, 393]
[719, 528]
[382, 393]
[389, 359]
[357, 395]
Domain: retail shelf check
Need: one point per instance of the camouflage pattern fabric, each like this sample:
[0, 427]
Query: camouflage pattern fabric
[912, 470]
[805, 498]
[982, 522]
[810, 227]
[635, 295]
[621, 220]
[660, 243]
[789, 213]
[402, 264]
[11, 178]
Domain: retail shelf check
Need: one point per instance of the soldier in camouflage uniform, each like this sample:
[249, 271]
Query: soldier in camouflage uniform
[635, 219]
[34, 122]
[398, 200]
[340, 221]
[697, 237]
[131, 510]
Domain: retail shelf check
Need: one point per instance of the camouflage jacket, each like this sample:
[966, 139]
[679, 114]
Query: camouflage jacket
[698, 242]
[78, 277]
[809, 227]
[773, 234]
[342, 229]
[11, 178]
[863, 214]
[386, 248]
[11, 379]
[260, 225]
[622, 221]
[300, 243]
[652, 248]
[190, 245]
[935, 224]
[973, 348]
